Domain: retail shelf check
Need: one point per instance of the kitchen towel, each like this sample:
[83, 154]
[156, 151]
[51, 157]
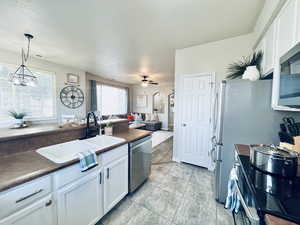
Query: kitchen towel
[232, 201]
[88, 159]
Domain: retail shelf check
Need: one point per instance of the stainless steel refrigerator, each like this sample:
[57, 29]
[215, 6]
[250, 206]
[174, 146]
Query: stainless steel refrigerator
[243, 115]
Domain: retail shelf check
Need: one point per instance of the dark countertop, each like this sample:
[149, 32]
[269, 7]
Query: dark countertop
[282, 205]
[7, 134]
[273, 220]
[23, 167]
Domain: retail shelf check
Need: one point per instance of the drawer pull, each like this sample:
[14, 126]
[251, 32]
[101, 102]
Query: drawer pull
[48, 203]
[29, 196]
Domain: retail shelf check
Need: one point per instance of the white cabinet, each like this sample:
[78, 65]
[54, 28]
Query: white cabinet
[269, 54]
[41, 212]
[262, 47]
[287, 20]
[115, 182]
[80, 203]
[298, 22]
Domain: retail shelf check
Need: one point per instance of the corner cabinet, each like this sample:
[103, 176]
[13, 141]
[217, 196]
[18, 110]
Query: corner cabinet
[115, 182]
[80, 203]
[41, 212]
[262, 47]
[269, 54]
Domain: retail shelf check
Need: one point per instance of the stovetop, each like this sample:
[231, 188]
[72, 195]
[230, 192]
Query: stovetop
[273, 194]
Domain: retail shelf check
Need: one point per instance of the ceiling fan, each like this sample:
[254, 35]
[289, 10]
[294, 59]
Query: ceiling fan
[146, 81]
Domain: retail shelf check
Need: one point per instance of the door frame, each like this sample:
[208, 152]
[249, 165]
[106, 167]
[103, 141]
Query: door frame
[178, 111]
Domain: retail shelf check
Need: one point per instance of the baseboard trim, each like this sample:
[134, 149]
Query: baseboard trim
[176, 160]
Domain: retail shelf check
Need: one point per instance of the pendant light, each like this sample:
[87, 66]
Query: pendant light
[23, 76]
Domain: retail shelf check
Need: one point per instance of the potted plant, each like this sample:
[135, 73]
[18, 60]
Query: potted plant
[247, 68]
[108, 130]
[18, 117]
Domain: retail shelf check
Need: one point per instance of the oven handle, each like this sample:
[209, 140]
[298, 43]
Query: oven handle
[251, 214]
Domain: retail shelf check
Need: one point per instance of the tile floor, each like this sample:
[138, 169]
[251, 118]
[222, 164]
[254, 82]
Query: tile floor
[175, 194]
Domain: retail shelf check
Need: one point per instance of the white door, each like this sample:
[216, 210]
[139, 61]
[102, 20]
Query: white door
[41, 212]
[80, 202]
[194, 121]
[115, 182]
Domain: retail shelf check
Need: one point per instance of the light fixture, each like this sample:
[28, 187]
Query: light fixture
[23, 76]
[144, 84]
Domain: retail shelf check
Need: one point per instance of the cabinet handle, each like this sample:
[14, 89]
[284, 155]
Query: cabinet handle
[107, 173]
[100, 178]
[29, 196]
[48, 203]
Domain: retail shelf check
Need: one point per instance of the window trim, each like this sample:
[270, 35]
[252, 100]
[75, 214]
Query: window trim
[41, 71]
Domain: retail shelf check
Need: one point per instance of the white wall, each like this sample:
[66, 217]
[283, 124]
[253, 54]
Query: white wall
[60, 72]
[164, 89]
[213, 56]
[210, 57]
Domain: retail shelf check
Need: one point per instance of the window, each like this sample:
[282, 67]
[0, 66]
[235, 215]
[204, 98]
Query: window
[37, 102]
[111, 100]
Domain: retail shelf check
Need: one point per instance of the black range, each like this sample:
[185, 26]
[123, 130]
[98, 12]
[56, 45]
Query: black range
[271, 194]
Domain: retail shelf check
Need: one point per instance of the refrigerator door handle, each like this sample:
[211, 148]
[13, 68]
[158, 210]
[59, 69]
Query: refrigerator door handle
[214, 140]
[215, 112]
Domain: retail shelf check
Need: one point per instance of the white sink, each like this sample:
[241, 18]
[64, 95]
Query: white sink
[65, 152]
[103, 141]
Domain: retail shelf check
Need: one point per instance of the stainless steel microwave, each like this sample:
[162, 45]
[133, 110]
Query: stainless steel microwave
[289, 88]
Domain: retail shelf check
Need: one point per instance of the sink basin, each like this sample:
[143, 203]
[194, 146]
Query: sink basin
[103, 141]
[65, 152]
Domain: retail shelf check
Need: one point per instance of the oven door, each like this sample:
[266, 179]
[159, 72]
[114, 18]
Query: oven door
[247, 214]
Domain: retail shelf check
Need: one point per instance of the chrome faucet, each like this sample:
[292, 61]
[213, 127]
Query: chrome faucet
[92, 131]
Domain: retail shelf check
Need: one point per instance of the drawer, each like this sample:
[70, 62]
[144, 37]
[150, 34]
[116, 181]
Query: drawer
[114, 154]
[17, 198]
[72, 173]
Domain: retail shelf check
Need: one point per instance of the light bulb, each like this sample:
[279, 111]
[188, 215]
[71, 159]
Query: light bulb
[144, 84]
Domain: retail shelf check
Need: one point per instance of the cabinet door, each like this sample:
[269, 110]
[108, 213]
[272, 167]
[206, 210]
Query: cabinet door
[79, 202]
[262, 47]
[269, 54]
[41, 212]
[115, 182]
[287, 27]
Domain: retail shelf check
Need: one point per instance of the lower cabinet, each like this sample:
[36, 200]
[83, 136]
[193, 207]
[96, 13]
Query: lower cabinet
[41, 212]
[79, 198]
[80, 203]
[115, 182]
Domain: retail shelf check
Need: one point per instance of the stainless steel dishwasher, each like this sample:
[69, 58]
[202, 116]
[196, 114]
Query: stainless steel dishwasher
[140, 152]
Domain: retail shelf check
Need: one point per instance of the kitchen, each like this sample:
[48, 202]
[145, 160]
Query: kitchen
[79, 115]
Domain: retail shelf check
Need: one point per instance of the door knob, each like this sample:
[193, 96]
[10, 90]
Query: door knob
[184, 125]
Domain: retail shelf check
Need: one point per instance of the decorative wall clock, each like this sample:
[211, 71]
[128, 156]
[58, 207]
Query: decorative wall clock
[72, 97]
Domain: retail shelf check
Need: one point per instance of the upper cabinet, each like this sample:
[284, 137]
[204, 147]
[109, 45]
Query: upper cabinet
[269, 53]
[287, 20]
[298, 22]
[262, 47]
[267, 47]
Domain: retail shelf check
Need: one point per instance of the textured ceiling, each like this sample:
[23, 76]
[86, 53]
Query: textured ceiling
[120, 39]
